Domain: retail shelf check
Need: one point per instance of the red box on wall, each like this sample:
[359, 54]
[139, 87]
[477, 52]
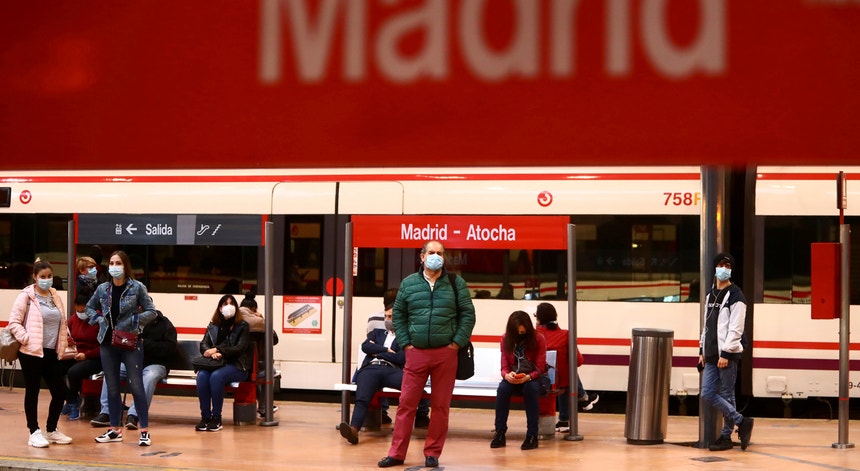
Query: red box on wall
[826, 280]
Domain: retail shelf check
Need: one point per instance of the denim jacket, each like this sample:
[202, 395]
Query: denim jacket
[134, 295]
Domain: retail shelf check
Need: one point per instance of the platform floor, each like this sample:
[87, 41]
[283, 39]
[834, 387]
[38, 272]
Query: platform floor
[306, 439]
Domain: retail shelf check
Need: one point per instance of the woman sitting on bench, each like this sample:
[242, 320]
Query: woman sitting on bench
[227, 337]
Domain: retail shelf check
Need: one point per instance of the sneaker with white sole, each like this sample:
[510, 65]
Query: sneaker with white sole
[144, 439]
[38, 440]
[110, 436]
[58, 437]
[562, 426]
[590, 402]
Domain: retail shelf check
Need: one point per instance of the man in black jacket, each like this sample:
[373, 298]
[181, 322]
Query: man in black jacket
[159, 352]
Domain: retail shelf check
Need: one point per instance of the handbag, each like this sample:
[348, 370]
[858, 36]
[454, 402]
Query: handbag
[9, 345]
[466, 361]
[71, 350]
[121, 339]
[206, 363]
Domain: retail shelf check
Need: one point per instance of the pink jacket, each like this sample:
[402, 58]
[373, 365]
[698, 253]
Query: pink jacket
[30, 335]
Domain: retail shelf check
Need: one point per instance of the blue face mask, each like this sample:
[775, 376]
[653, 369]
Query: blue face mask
[92, 273]
[45, 283]
[433, 262]
[116, 271]
[723, 273]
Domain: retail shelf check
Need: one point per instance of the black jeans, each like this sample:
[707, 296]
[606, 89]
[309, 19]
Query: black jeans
[34, 370]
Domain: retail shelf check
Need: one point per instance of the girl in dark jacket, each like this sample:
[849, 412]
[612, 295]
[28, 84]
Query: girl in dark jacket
[227, 336]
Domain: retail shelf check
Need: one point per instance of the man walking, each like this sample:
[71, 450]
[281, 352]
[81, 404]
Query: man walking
[720, 350]
[430, 327]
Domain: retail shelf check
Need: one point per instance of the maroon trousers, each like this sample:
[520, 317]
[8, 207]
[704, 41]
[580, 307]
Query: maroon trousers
[440, 364]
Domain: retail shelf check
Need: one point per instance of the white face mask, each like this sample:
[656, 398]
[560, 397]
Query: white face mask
[81, 315]
[228, 311]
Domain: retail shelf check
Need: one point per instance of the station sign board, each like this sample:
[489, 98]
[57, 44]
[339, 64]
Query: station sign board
[170, 229]
[462, 232]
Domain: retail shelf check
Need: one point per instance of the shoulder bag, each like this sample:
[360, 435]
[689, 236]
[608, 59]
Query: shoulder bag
[121, 339]
[466, 353]
[71, 350]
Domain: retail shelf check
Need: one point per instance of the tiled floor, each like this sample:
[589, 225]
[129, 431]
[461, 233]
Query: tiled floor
[306, 438]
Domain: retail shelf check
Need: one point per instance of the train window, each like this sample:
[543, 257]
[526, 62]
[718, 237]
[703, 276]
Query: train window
[619, 258]
[304, 257]
[787, 256]
[187, 268]
[33, 235]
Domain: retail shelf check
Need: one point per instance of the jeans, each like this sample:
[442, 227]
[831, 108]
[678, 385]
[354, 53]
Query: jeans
[563, 403]
[718, 389]
[211, 386]
[152, 374]
[530, 390]
[112, 359]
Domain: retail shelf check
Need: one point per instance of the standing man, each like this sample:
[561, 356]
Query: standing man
[430, 328]
[720, 351]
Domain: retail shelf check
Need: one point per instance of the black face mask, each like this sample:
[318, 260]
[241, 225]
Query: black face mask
[522, 336]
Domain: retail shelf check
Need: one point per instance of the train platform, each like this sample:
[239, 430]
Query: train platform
[306, 439]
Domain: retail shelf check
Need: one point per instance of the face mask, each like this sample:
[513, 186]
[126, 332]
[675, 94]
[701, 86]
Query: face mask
[81, 315]
[389, 324]
[116, 271]
[723, 273]
[45, 283]
[92, 273]
[433, 262]
[228, 311]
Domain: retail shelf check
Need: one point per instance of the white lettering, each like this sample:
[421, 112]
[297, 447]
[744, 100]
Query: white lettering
[159, 229]
[432, 61]
[707, 52]
[495, 234]
[312, 38]
[522, 55]
[410, 232]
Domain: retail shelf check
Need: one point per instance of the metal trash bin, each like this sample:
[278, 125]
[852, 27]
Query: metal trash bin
[647, 411]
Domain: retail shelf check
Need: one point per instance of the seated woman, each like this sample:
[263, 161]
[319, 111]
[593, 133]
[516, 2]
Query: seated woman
[88, 360]
[227, 337]
[523, 360]
[382, 367]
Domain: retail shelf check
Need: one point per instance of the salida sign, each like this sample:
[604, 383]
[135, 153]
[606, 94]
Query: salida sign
[462, 232]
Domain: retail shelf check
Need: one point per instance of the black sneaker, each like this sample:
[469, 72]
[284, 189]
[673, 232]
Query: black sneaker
[110, 436]
[214, 424]
[132, 422]
[722, 444]
[387, 420]
[530, 443]
[203, 425]
[498, 440]
[562, 426]
[590, 402]
[101, 420]
[745, 432]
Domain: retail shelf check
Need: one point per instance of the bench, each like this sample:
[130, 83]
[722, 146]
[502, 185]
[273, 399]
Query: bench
[182, 376]
[481, 386]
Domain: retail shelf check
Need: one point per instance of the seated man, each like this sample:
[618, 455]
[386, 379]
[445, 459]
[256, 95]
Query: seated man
[382, 367]
[159, 350]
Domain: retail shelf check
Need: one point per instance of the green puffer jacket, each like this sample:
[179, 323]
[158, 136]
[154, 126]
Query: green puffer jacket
[426, 318]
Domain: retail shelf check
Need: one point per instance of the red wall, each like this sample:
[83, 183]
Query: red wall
[164, 84]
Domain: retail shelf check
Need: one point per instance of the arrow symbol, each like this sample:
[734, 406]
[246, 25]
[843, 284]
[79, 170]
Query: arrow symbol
[130, 229]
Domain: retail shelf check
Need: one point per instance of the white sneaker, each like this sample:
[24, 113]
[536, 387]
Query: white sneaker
[58, 437]
[38, 440]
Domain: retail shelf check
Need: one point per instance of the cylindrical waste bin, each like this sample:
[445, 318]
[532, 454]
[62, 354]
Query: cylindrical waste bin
[648, 386]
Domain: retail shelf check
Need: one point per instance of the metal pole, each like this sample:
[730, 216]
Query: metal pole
[347, 323]
[710, 230]
[269, 269]
[572, 390]
[72, 271]
[844, 336]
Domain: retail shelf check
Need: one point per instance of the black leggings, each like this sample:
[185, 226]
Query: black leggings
[34, 370]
